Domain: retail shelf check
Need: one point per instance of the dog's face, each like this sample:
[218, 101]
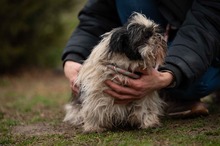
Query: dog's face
[139, 39]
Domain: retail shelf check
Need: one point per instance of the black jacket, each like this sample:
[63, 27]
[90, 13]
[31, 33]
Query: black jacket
[195, 47]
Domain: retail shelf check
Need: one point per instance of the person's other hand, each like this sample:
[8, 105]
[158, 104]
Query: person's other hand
[71, 70]
[137, 88]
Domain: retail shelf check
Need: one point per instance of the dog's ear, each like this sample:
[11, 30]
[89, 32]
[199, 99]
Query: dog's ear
[118, 40]
[121, 43]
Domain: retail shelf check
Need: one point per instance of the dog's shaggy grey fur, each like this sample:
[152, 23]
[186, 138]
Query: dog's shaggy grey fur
[138, 44]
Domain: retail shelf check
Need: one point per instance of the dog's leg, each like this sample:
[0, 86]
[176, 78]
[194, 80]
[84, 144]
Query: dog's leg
[73, 115]
[151, 120]
[93, 122]
[92, 127]
[144, 115]
[143, 119]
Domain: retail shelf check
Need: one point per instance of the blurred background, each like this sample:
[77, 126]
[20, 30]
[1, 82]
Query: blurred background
[34, 33]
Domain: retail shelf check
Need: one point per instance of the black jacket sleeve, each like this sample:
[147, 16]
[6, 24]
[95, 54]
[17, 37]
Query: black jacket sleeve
[96, 18]
[197, 42]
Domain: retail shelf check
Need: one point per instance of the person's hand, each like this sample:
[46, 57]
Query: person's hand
[71, 70]
[137, 88]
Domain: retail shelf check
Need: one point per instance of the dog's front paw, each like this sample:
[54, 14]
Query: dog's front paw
[150, 124]
[93, 129]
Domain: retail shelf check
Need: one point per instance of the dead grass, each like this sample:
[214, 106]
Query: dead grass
[31, 113]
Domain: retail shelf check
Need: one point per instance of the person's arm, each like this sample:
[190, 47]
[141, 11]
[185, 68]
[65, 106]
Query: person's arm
[71, 70]
[193, 50]
[196, 44]
[96, 18]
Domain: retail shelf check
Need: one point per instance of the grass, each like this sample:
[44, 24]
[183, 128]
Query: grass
[31, 113]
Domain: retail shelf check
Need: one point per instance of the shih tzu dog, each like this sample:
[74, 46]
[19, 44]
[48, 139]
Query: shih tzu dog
[138, 44]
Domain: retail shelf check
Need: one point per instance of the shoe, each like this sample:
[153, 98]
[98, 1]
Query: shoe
[186, 109]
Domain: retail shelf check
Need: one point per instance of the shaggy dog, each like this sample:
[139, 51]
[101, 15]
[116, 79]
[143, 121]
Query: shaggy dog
[137, 44]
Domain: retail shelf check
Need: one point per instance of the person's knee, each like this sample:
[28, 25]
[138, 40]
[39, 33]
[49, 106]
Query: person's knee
[203, 89]
[194, 92]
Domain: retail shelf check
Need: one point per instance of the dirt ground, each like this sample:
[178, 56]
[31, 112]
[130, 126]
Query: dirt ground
[35, 93]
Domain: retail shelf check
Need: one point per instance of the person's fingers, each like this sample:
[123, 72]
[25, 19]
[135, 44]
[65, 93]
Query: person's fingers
[122, 89]
[119, 96]
[71, 70]
[142, 71]
[127, 73]
[132, 84]
[74, 88]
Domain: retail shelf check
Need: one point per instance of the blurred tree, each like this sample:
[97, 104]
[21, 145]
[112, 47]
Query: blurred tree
[30, 32]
